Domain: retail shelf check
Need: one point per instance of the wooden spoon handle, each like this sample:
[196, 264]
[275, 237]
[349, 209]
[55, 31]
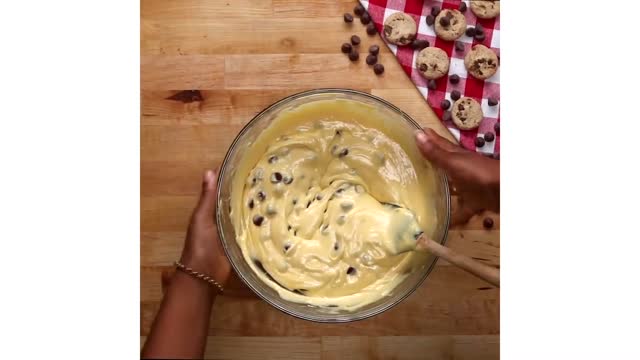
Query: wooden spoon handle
[485, 272]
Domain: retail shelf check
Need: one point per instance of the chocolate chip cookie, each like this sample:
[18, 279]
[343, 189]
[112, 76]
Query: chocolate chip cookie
[485, 9]
[432, 62]
[481, 62]
[400, 29]
[450, 24]
[466, 113]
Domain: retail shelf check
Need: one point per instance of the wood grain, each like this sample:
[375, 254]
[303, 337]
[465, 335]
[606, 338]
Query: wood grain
[243, 55]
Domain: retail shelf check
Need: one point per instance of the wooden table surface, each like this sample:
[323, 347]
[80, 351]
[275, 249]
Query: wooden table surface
[243, 55]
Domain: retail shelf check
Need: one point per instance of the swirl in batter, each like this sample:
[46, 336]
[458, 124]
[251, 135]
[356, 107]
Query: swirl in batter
[320, 205]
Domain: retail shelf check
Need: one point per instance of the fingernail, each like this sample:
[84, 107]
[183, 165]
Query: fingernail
[421, 138]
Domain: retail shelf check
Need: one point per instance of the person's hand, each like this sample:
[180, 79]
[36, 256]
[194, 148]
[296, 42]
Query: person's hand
[475, 178]
[203, 251]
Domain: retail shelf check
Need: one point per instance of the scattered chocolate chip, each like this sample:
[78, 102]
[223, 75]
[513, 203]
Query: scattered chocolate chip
[493, 101]
[353, 55]
[444, 104]
[374, 49]
[431, 84]
[346, 48]
[344, 152]
[348, 18]
[454, 79]
[459, 46]
[187, 96]
[351, 270]
[257, 220]
[446, 116]
[496, 128]
[372, 59]
[480, 37]
[378, 69]
[479, 142]
[435, 10]
[445, 22]
[365, 18]
[430, 19]
[471, 32]
[462, 7]
[355, 40]
[371, 29]
[419, 44]
[358, 10]
[489, 137]
[455, 95]
[479, 29]
[261, 195]
[273, 159]
[276, 177]
[487, 223]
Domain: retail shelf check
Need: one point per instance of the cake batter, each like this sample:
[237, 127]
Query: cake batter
[320, 196]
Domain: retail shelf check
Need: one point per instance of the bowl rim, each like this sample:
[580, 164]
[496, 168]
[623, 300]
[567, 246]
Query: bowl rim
[443, 177]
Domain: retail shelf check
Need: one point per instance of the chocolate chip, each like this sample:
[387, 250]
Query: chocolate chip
[346, 48]
[479, 29]
[353, 55]
[374, 49]
[336, 246]
[257, 220]
[430, 19]
[454, 79]
[378, 69]
[455, 95]
[459, 46]
[276, 177]
[471, 32]
[288, 227]
[261, 195]
[445, 22]
[479, 142]
[487, 223]
[355, 40]
[493, 101]
[435, 10]
[449, 15]
[358, 10]
[287, 180]
[365, 18]
[371, 29]
[480, 37]
[351, 270]
[419, 44]
[431, 84]
[372, 59]
[273, 159]
[461, 107]
[489, 137]
[308, 204]
[387, 30]
[423, 67]
[251, 204]
[446, 116]
[286, 247]
[496, 128]
[462, 7]
[444, 104]
[344, 152]
[294, 201]
[319, 197]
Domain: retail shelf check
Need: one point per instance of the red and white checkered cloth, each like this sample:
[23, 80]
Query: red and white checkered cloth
[479, 90]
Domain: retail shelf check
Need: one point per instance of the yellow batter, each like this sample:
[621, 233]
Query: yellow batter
[314, 204]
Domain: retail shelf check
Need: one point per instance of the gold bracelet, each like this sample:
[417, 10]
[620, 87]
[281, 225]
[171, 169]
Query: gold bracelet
[198, 275]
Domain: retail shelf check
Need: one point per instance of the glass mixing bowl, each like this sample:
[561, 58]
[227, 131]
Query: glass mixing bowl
[394, 118]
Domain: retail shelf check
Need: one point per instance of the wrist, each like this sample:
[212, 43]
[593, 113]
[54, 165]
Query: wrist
[206, 264]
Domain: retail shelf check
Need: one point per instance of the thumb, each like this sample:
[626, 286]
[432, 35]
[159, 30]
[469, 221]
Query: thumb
[208, 197]
[430, 149]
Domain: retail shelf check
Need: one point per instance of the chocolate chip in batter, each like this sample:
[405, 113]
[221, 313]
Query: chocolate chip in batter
[271, 209]
[308, 204]
[444, 104]
[487, 223]
[430, 19]
[324, 229]
[273, 159]
[346, 205]
[365, 18]
[348, 18]
[462, 7]
[445, 22]
[455, 95]
[300, 291]
[374, 49]
[454, 79]
[319, 197]
[435, 10]
[479, 142]
[251, 204]
[346, 48]
[353, 55]
[489, 137]
[351, 270]
[288, 227]
[419, 44]
[257, 220]
[493, 101]
[261, 195]
[286, 247]
[276, 177]
[355, 40]
[470, 32]
[358, 10]
[287, 179]
[417, 235]
[341, 220]
[432, 85]
[344, 152]
[336, 246]
[294, 201]
[371, 29]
